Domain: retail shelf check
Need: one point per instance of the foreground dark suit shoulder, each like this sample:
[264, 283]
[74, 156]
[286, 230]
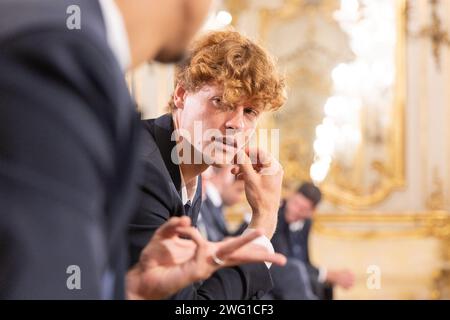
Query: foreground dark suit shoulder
[68, 150]
[161, 199]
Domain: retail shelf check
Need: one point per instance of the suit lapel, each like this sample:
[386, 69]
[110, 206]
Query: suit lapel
[284, 226]
[197, 202]
[162, 129]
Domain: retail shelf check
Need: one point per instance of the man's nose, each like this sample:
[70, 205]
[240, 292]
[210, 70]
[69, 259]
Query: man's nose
[235, 120]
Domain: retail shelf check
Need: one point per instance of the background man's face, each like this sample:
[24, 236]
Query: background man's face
[224, 131]
[298, 207]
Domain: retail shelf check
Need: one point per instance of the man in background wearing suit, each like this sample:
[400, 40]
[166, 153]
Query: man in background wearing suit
[222, 87]
[299, 278]
[221, 190]
[69, 144]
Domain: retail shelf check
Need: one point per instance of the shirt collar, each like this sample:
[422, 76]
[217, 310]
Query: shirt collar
[214, 195]
[296, 226]
[184, 189]
[189, 188]
[116, 33]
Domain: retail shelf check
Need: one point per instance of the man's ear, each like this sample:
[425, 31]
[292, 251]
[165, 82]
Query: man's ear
[179, 96]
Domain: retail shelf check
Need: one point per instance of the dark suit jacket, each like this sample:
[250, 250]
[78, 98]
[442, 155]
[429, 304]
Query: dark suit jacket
[161, 199]
[282, 240]
[68, 153]
[215, 224]
[283, 243]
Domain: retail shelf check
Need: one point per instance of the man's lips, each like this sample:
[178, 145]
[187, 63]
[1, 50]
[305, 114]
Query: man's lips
[230, 141]
[225, 146]
[224, 140]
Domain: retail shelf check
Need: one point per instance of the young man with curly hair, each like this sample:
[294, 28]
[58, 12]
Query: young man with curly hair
[222, 87]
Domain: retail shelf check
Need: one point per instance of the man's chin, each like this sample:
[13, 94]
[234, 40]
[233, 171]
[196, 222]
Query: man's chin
[220, 165]
[217, 163]
[221, 161]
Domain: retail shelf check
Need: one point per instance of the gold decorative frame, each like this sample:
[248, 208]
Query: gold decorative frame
[406, 225]
[392, 175]
[413, 225]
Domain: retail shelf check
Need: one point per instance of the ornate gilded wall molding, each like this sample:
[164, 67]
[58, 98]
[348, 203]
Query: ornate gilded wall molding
[435, 32]
[387, 171]
[384, 225]
[436, 199]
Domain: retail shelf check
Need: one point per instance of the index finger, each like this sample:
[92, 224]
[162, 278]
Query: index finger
[168, 229]
[244, 163]
[233, 244]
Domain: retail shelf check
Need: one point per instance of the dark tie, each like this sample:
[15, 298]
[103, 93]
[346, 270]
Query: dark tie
[296, 241]
[187, 208]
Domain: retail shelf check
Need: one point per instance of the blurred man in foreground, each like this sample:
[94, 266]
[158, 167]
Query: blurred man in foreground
[69, 143]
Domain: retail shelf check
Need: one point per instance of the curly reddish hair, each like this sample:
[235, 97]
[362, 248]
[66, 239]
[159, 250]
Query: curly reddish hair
[244, 69]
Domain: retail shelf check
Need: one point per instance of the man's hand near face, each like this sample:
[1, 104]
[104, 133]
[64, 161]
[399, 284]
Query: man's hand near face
[263, 177]
[169, 262]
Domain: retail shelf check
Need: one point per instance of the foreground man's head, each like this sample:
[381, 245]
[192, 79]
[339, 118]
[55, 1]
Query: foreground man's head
[161, 29]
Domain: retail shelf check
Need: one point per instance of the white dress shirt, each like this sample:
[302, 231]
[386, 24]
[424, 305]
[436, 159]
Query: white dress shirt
[296, 226]
[213, 195]
[116, 33]
[187, 190]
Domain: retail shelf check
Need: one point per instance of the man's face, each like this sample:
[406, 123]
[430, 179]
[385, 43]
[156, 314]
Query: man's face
[186, 18]
[216, 131]
[298, 207]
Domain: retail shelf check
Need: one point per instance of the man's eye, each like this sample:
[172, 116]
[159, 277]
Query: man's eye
[251, 112]
[217, 100]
